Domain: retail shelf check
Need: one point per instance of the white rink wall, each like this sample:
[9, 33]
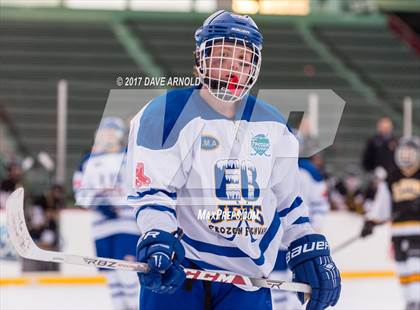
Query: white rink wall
[372, 254]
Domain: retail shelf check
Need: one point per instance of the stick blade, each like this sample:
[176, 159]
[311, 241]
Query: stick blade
[16, 226]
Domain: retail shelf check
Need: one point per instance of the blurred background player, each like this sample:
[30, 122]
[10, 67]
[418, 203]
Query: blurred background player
[99, 185]
[398, 200]
[314, 192]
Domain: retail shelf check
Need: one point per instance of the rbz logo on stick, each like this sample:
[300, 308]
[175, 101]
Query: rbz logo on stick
[99, 262]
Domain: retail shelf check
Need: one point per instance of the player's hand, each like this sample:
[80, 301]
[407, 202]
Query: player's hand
[367, 228]
[163, 252]
[309, 259]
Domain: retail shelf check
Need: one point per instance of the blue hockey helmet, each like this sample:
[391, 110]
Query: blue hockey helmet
[229, 25]
[239, 43]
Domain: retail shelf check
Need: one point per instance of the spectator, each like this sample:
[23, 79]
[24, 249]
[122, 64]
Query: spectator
[379, 150]
[43, 225]
[12, 181]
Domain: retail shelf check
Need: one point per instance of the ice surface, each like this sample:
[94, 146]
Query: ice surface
[378, 294]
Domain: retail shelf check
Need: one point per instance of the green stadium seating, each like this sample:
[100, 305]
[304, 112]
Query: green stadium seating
[381, 59]
[34, 56]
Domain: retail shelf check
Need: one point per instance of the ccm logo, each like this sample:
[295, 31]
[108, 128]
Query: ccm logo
[214, 276]
[308, 247]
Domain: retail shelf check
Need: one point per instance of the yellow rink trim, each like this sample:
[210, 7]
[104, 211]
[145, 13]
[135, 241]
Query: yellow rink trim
[368, 274]
[101, 280]
[72, 280]
[13, 281]
[406, 223]
[53, 280]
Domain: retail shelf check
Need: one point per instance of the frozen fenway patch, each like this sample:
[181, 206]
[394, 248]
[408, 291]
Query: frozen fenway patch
[141, 178]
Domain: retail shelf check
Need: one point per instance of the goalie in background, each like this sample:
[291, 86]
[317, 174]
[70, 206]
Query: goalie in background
[398, 200]
[99, 185]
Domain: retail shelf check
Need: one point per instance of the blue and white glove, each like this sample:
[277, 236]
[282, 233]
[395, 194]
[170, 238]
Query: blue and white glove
[163, 252]
[309, 259]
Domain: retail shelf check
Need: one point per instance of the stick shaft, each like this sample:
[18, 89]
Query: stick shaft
[345, 244]
[25, 246]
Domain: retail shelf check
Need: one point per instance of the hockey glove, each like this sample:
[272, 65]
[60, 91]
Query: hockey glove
[367, 228]
[309, 259]
[163, 252]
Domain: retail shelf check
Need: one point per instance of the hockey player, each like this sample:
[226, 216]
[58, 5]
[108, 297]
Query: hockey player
[215, 149]
[398, 199]
[313, 191]
[98, 184]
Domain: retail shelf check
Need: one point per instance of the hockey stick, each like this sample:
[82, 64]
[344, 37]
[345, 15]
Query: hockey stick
[345, 244]
[25, 246]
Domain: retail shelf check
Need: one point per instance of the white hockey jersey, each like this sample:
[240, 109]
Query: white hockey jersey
[313, 191]
[100, 179]
[230, 184]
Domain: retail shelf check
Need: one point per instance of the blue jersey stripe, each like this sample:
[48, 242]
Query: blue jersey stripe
[296, 203]
[156, 207]
[235, 252]
[268, 237]
[302, 220]
[281, 264]
[213, 249]
[153, 191]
